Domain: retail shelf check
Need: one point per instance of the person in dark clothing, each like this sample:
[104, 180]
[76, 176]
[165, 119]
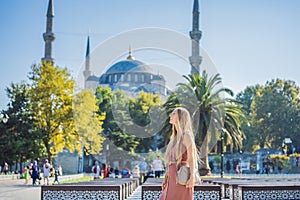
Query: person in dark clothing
[35, 172]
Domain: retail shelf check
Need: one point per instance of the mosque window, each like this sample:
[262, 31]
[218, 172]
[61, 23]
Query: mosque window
[142, 78]
[116, 78]
[109, 78]
[128, 77]
[122, 77]
[135, 77]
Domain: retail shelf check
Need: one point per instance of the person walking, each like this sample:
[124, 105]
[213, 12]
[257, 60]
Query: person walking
[26, 174]
[35, 172]
[96, 170]
[157, 167]
[136, 172]
[46, 172]
[143, 170]
[181, 151]
[5, 168]
[56, 174]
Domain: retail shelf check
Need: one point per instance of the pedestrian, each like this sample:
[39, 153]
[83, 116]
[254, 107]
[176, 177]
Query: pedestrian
[143, 170]
[5, 168]
[26, 174]
[60, 170]
[136, 172]
[35, 172]
[181, 151]
[126, 173]
[105, 170]
[237, 169]
[46, 171]
[56, 174]
[157, 167]
[96, 170]
[109, 171]
[117, 172]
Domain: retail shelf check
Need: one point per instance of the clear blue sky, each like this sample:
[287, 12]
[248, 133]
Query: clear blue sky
[250, 42]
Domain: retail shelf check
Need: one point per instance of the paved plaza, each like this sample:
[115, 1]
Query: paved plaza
[17, 190]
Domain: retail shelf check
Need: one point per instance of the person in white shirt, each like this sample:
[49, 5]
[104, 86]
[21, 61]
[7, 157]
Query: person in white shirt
[157, 167]
[96, 170]
[46, 172]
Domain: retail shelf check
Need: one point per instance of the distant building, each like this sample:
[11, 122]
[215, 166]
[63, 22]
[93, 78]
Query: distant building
[130, 75]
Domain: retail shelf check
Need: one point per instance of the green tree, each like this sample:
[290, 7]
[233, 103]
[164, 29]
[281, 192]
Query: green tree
[114, 105]
[22, 144]
[144, 111]
[51, 96]
[246, 97]
[275, 113]
[88, 121]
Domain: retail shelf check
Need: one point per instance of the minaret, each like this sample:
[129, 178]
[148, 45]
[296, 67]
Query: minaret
[87, 72]
[195, 34]
[49, 36]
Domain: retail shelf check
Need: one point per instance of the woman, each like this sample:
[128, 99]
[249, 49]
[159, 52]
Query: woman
[35, 172]
[26, 174]
[96, 170]
[181, 150]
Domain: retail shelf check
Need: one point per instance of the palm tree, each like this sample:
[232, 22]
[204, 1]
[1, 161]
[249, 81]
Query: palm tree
[202, 97]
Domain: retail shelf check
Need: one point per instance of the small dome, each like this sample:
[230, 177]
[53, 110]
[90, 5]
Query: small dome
[129, 66]
[92, 78]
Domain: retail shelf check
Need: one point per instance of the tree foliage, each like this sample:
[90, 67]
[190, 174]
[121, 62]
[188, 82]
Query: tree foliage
[145, 112]
[88, 122]
[274, 114]
[51, 95]
[114, 105]
[20, 141]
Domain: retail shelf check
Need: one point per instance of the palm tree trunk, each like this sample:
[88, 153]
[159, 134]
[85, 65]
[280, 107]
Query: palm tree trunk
[204, 165]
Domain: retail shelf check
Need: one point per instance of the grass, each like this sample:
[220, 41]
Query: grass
[78, 180]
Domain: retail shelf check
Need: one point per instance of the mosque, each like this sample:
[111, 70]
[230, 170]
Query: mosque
[129, 75]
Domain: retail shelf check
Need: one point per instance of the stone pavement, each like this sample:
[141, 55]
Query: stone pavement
[12, 188]
[16, 190]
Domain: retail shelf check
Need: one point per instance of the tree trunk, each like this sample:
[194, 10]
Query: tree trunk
[204, 165]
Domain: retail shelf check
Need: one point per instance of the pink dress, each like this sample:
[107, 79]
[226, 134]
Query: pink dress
[172, 190]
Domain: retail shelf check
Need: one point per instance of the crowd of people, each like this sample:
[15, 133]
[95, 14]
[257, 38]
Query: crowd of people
[142, 170]
[36, 173]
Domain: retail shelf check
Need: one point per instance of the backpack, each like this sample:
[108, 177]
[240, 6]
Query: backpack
[95, 169]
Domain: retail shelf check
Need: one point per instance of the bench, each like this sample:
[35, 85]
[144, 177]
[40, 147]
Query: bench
[267, 192]
[151, 190]
[235, 188]
[109, 188]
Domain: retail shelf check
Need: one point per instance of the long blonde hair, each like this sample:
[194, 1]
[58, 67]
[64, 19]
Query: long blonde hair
[184, 126]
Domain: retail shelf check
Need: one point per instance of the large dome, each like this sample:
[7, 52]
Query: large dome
[129, 66]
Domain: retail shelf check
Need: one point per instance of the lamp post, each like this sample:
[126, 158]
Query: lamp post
[222, 154]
